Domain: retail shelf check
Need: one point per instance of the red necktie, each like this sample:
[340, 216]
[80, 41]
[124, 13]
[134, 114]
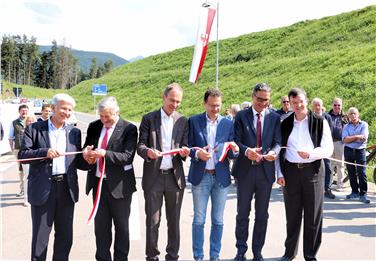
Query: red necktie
[258, 131]
[103, 146]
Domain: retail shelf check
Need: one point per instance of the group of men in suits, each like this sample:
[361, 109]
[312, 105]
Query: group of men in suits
[166, 139]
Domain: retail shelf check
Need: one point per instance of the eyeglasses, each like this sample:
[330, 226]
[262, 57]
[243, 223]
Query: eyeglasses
[285, 101]
[337, 105]
[259, 99]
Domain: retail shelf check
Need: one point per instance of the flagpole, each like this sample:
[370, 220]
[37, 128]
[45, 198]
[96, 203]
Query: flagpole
[216, 65]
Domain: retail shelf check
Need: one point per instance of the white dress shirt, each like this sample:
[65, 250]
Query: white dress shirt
[255, 123]
[58, 141]
[211, 128]
[300, 140]
[167, 124]
[109, 134]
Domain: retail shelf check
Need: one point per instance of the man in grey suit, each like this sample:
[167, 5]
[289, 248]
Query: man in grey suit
[258, 135]
[163, 176]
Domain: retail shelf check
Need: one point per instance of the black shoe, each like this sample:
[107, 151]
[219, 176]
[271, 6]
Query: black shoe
[285, 258]
[328, 194]
[240, 257]
[258, 258]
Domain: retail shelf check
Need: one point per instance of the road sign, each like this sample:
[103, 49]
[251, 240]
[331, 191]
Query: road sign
[99, 89]
[17, 91]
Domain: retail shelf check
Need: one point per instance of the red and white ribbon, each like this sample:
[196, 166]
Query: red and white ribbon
[97, 198]
[41, 158]
[337, 160]
[225, 150]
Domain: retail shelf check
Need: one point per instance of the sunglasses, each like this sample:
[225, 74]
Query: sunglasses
[259, 99]
[285, 101]
[337, 105]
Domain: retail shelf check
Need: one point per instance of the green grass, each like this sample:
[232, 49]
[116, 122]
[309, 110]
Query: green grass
[28, 91]
[333, 56]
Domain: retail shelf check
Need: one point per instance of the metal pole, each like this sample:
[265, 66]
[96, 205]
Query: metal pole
[216, 66]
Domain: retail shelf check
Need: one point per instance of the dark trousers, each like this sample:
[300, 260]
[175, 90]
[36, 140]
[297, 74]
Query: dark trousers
[303, 193]
[328, 174]
[58, 210]
[357, 174]
[165, 187]
[253, 183]
[116, 211]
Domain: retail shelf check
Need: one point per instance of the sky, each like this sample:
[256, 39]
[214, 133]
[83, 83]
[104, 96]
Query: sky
[131, 28]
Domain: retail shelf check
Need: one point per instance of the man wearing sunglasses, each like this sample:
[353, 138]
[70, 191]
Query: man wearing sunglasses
[285, 110]
[339, 120]
[258, 135]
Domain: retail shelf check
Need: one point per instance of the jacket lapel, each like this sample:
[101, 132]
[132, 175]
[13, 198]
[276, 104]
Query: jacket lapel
[250, 120]
[203, 124]
[158, 127]
[67, 131]
[175, 129]
[44, 133]
[116, 132]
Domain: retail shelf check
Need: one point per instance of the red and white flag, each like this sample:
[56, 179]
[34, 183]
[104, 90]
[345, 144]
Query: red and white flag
[207, 14]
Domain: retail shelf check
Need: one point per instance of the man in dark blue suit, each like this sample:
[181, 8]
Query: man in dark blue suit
[52, 185]
[258, 135]
[209, 176]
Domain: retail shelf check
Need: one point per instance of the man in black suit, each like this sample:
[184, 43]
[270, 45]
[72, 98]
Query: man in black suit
[113, 140]
[163, 130]
[257, 133]
[52, 182]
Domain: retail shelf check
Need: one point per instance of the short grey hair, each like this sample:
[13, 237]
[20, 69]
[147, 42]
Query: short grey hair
[63, 97]
[316, 99]
[337, 99]
[171, 87]
[263, 87]
[109, 103]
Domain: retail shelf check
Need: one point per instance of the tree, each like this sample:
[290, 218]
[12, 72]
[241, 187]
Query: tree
[93, 68]
[108, 65]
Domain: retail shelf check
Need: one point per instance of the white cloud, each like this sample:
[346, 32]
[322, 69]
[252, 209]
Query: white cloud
[130, 28]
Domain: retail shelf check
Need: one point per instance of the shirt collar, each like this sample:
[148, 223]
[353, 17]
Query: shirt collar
[113, 125]
[256, 112]
[211, 121]
[51, 126]
[305, 119]
[165, 116]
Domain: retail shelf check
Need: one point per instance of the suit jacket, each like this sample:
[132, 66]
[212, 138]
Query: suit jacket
[198, 137]
[151, 137]
[245, 137]
[36, 143]
[120, 151]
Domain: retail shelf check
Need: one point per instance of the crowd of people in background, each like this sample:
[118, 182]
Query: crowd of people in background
[298, 147]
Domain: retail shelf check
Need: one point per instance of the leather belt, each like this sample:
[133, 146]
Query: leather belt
[58, 178]
[301, 165]
[167, 171]
[210, 171]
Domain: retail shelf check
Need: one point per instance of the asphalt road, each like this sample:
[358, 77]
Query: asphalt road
[349, 230]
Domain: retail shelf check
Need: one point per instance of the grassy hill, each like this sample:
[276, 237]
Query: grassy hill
[84, 57]
[333, 56]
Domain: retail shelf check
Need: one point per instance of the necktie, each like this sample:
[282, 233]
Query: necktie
[258, 131]
[103, 146]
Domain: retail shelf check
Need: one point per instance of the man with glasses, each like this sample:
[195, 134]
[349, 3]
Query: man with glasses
[258, 135]
[285, 110]
[209, 176]
[339, 120]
